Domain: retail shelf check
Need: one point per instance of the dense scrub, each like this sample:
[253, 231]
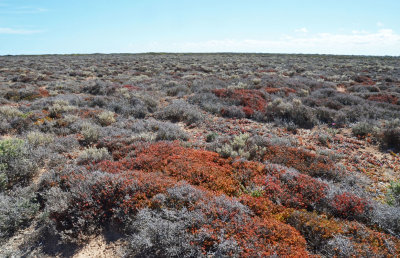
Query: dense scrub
[224, 155]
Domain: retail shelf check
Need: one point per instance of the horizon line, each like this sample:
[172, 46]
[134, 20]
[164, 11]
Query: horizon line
[194, 53]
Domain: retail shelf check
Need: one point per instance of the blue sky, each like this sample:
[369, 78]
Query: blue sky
[98, 26]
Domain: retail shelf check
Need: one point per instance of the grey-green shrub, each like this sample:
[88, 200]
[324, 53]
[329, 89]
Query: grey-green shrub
[362, 129]
[106, 118]
[180, 110]
[17, 164]
[90, 133]
[16, 211]
[39, 138]
[393, 194]
[9, 111]
[93, 155]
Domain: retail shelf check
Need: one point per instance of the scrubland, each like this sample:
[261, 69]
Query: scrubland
[199, 155]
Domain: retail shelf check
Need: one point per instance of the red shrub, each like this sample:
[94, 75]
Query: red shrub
[302, 160]
[250, 100]
[198, 167]
[294, 190]
[349, 206]
[391, 99]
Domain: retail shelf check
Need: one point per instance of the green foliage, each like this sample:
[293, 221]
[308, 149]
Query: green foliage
[241, 146]
[10, 112]
[363, 129]
[211, 137]
[393, 195]
[15, 163]
[93, 155]
[106, 118]
[90, 133]
[38, 138]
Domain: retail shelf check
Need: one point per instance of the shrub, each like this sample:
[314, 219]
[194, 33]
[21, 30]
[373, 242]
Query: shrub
[339, 246]
[165, 233]
[90, 155]
[232, 112]
[211, 137]
[390, 136]
[235, 148]
[16, 162]
[90, 133]
[295, 112]
[386, 217]
[10, 112]
[170, 132]
[59, 107]
[179, 111]
[179, 90]
[349, 206]
[241, 145]
[363, 129]
[393, 194]
[304, 161]
[65, 144]
[38, 138]
[290, 188]
[16, 211]
[106, 118]
[250, 100]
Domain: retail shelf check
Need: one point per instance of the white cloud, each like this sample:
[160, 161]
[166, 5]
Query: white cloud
[381, 42]
[379, 24]
[18, 32]
[303, 30]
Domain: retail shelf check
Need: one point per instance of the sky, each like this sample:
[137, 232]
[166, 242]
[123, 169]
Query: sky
[352, 27]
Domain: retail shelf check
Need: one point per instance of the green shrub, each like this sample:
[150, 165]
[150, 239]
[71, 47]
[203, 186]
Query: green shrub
[362, 129]
[16, 163]
[59, 107]
[93, 155]
[90, 133]
[106, 118]
[10, 112]
[393, 195]
[38, 138]
[211, 137]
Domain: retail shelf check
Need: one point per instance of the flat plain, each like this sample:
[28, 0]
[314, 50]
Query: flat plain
[199, 155]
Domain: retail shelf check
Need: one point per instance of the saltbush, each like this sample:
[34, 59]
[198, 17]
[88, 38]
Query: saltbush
[180, 110]
[106, 118]
[91, 154]
[17, 164]
[393, 194]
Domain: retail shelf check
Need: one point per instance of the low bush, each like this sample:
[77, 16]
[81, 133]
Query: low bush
[181, 111]
[390, 136]
[363, 129]
[349, 206]
[17, 164]
[106, 118]
[393, 194]
[90, 133]
[10, 112]
[39, 139]
[295, 112]
[16, 211]
[92, 155]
